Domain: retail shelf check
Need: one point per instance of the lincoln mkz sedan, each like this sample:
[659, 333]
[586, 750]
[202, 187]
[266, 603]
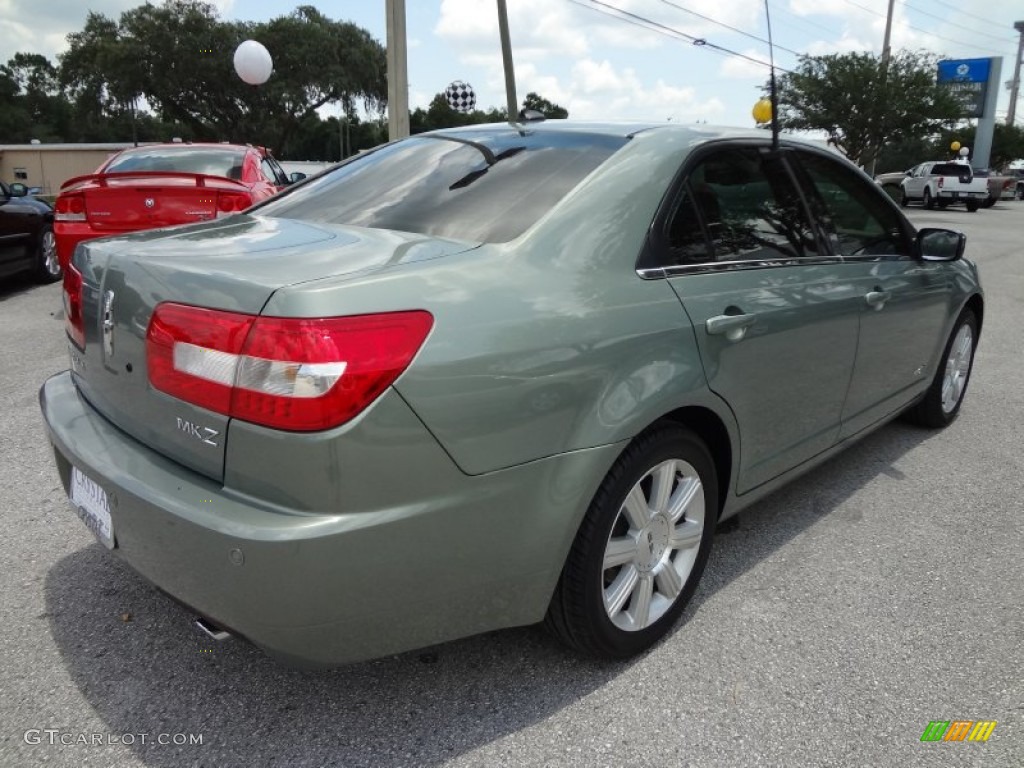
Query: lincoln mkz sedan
[493, 376]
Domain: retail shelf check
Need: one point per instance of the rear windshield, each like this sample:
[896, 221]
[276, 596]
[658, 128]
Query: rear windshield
[214, 161]
[950, 169]
[479, 187]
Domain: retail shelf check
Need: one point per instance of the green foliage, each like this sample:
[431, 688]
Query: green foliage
[862, 103]
[439, 115]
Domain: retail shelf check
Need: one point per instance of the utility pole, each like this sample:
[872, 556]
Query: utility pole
[1011, 113]
[398, 72]
[886, 55]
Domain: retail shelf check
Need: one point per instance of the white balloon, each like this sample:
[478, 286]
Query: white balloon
[253, 63]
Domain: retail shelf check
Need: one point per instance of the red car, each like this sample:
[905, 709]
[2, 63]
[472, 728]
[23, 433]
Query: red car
[162, 185]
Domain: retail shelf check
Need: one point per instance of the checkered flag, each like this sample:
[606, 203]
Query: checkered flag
[460, 96]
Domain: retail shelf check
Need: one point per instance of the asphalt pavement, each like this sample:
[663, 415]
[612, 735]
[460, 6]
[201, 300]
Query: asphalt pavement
[835, 620]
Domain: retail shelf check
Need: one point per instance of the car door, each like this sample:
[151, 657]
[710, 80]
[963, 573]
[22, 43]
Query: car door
[914, 185]
[776, 324]
[15, 232]
[904, 300]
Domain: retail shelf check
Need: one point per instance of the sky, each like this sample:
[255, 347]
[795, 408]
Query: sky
[587, 58]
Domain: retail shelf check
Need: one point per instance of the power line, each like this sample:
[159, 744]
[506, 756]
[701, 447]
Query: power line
[663, 29]
[965, 13]
[731, 28]
[922, 31]
[954, 24]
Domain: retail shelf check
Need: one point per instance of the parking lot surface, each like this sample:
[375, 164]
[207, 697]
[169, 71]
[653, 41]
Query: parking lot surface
[835, 620]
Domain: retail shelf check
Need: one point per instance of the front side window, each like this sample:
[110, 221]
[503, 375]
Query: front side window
[739, 204]
[482, 187]
[854, 212]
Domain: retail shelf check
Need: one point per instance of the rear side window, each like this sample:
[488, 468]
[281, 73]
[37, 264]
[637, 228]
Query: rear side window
[213, 161]
[739, 205]
[478, 187]
[950, 169]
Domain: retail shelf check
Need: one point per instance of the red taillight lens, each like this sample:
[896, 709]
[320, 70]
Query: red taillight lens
[70, 207]
[300, 374]
[232, 202]
[74, 322]
[941, 179]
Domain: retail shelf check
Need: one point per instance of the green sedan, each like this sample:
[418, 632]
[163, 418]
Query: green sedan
[493, 376]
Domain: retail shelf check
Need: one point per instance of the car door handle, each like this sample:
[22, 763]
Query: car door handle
[877, 299]
[733, 327]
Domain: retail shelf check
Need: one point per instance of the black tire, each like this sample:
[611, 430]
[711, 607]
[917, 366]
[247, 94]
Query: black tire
[988, 202]
[929, 201]
[577, 614]
[930, 411]
[973, 205]
[47, 267]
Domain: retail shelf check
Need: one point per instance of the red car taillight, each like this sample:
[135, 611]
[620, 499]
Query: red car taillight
[74, 323]
[941, 180]
[70, 207]
[232, 202]
[300, 374]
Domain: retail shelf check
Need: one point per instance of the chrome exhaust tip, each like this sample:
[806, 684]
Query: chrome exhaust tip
[213, 631]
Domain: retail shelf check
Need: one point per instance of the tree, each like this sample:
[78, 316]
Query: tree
[177, 59]
[862, 103]
[549, 109]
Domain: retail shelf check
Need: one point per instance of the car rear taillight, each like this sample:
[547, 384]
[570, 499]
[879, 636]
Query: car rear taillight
[299, 374]
[74, 323]
[70, 207]
[232, 202]
[941, 179]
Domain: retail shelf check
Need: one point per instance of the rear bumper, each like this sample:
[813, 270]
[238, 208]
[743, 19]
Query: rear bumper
[461, 555]
[946, 195]
[68, 235]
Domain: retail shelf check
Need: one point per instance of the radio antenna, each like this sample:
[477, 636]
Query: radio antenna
[773, 93]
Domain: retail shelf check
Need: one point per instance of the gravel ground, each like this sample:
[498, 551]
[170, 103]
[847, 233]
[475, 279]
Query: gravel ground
[835, 620]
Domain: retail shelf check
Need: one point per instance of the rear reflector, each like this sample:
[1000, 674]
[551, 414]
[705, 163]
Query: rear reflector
[74, 322]
[299, 374]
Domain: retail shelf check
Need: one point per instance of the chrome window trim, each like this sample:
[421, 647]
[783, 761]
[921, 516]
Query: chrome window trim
[655, 273]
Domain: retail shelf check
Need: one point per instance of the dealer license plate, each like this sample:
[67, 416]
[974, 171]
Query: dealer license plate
[91, 504]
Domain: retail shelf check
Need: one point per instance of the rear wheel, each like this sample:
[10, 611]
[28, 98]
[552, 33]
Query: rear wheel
[941, 402]
[641, 548]
[973, 205]
[929, 202]
[47, 269]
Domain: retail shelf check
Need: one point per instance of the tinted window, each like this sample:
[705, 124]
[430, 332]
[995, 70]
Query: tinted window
[749, 206]
[857, 215]
[215, 161]
[484, 188]
[950, 169]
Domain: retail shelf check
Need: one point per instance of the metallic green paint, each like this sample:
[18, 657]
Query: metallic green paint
[448, 506]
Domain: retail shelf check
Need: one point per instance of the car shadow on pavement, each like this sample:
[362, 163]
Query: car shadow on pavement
[15, 285]
[136, 659]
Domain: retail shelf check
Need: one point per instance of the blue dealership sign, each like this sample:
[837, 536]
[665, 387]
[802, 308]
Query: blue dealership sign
[968, 80]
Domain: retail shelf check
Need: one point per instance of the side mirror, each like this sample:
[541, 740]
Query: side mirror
[296, 176]
[935, 244]
[18, 190]
[909, 173]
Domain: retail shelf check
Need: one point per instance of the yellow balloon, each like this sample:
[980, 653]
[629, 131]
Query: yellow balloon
[762, 111]
[955, 146]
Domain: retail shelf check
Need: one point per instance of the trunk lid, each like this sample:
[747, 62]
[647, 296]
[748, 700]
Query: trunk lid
[125, 202]
[234, 264]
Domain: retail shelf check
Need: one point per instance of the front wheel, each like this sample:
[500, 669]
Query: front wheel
[47, 268]
[941, 403]
[641, 548]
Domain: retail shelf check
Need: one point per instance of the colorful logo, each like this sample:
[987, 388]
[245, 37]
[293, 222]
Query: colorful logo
[958, 730]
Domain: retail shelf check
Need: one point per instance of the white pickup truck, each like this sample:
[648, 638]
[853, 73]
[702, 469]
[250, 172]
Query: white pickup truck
[944, 182]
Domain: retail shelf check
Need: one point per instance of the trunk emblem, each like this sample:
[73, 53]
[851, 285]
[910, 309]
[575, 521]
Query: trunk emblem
[149, 202]
[108, 323]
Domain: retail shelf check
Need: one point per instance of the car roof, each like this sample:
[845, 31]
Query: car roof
[697, 133]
